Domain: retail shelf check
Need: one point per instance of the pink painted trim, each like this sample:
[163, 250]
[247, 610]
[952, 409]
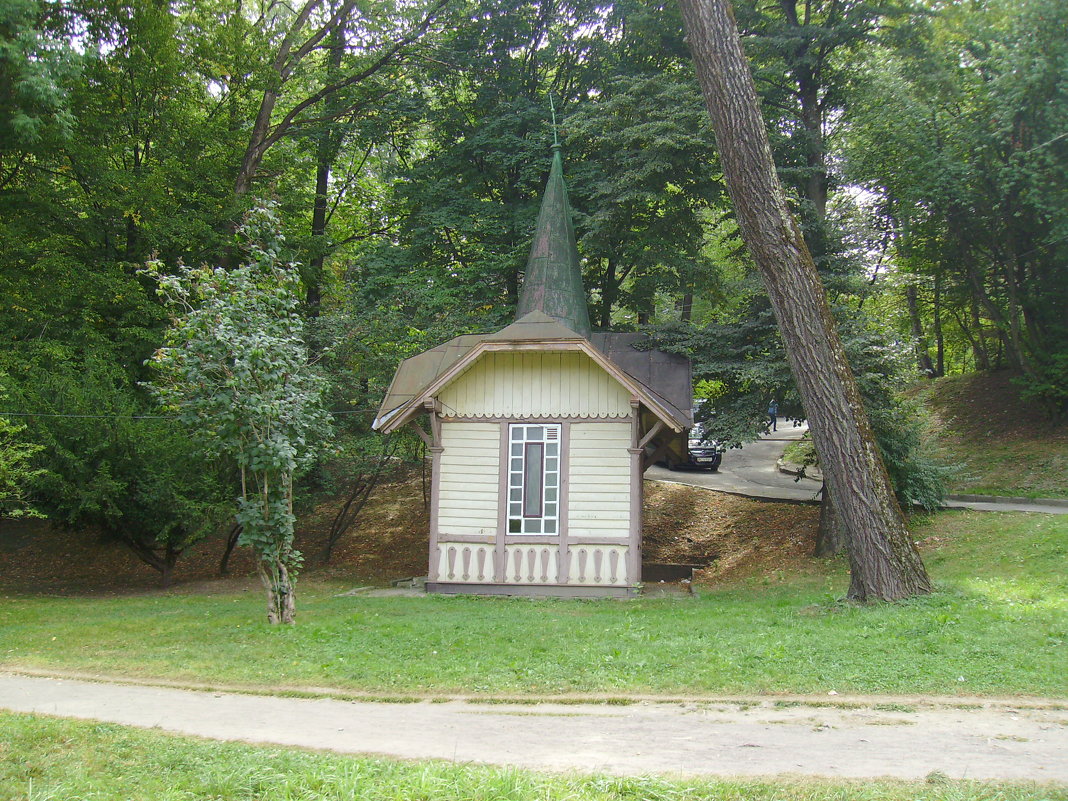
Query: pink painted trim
[634, 551]
[435, 501]
[563, 513]
[502, 502]
[535, 420]
[476, 539]
[406, 411]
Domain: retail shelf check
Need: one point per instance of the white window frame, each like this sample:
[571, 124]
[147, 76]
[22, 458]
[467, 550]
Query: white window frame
[533, 496]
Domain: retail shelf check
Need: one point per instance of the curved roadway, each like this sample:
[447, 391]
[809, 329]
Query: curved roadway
[750, 470]
[753, 471]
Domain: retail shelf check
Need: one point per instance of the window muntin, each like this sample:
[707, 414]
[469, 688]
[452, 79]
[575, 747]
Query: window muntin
[533, 478]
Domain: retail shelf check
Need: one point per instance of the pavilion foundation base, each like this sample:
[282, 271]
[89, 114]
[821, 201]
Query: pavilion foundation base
[533, 590]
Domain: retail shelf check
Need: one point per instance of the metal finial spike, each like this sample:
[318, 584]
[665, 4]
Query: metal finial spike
[552, 109]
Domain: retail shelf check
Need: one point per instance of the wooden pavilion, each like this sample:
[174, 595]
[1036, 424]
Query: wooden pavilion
[539, 435]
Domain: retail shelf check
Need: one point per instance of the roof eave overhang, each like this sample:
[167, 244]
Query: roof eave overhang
[392, 420]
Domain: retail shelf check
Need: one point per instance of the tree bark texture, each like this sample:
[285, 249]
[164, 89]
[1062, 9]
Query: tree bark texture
[231, 542]
[327, 148]
[830, 537]
[884, 563]
[281, 604]
[940, 341]
[160, 558]
[919, 339]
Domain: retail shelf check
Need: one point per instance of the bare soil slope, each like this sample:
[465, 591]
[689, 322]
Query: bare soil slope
[730, 537]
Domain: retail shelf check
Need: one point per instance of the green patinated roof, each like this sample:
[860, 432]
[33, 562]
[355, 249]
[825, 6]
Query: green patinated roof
[553, 281]
[552, 309]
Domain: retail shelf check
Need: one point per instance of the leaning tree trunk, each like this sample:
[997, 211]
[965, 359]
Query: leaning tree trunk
[884, 564]
[231, 542]
[831, 536]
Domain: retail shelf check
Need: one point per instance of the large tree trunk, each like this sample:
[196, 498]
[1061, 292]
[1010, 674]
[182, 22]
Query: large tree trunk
[831, 537]
[685, 307]
[884, 563]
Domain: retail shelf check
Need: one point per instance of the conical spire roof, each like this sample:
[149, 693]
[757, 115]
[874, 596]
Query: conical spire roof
[553, 281]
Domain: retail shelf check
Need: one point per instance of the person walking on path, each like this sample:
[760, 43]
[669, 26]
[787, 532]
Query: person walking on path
[773, 415]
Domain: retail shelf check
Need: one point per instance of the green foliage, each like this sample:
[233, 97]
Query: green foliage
[901, 425]
[644, 181]
[744, 367]
[36, 65]
[960, 138]
[1047, 384]
[16, 469]
[235, 367]
[103, 465]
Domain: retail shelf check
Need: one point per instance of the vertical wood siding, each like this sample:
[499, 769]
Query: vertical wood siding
[470, 479]
[535, 384]
[599, 497]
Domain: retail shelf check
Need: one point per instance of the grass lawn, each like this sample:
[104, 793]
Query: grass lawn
[997, 625]
[1001, 444]
[46, 758]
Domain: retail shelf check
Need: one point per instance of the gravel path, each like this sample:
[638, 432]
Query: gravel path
[759, 737]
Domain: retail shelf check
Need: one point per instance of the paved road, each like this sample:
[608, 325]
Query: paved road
[750, 470]
[1028, 741]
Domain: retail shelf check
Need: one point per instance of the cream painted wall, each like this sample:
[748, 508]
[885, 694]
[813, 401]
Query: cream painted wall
[535, 384]
[599, 480]
[470, 479]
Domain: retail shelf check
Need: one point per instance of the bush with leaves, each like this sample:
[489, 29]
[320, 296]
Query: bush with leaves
[106, 463]
[235, 367]
[16, 468]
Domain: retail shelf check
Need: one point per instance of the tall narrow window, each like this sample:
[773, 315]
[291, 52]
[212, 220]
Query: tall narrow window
[533, 478]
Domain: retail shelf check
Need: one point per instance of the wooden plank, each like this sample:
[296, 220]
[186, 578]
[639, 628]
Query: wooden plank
[468, 459]
[608, 499]
[605, 471]
[598, 519]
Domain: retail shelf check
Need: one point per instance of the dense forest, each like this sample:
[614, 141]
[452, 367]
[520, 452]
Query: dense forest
[399, 150]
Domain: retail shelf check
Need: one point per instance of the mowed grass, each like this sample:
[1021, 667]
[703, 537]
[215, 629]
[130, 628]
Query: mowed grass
[998, 624]
[1000, 443]
[46, 758]
[1017, 469]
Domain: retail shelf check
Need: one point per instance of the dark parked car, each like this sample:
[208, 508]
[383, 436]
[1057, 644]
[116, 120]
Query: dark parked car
[700, 454]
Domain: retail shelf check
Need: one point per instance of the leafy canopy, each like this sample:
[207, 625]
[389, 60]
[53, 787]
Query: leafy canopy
[235, 368]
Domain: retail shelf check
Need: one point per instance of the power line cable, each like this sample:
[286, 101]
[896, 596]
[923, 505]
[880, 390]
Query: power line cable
[137, 416]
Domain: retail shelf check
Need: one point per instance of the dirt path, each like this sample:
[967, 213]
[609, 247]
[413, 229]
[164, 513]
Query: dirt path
[761, 738]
